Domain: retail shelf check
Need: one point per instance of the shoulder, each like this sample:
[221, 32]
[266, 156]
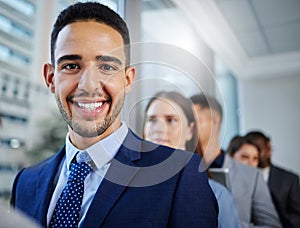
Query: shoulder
[223, 195]
[31, 173]
[283, 171]
[279, 173]
[28, 178]
[56, 158]
[151, 154]
[160, 162]
[219, 190]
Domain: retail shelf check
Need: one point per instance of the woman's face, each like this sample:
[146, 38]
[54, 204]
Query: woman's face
[247, 154]
[167, 124]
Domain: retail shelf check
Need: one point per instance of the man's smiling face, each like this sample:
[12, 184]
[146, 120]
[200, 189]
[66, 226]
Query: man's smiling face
[89, 79]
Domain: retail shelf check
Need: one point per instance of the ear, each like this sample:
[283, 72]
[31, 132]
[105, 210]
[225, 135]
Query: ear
[49, 76]
[191, 131]
[216, 119]
[129, 77]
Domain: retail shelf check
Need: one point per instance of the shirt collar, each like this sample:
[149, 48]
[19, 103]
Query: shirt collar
[102, 151]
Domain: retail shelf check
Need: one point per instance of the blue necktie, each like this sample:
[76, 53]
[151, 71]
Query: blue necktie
[67, 209]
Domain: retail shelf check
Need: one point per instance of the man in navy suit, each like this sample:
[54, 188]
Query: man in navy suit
[283, 184]
[133, 183]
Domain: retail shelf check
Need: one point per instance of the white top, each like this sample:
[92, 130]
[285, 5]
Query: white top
[266, 173]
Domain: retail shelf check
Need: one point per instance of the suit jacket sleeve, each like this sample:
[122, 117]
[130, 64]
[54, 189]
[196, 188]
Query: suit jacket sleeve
[263, 210]
[294, 203]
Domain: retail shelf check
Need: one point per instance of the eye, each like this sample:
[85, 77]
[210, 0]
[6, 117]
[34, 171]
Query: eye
[244, 156]
[70, 67]
[171, 120]
[108, 69]
[151, 119]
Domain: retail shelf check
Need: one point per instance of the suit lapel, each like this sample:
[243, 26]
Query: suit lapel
[46, 183]
[117, 178]
[272, 181]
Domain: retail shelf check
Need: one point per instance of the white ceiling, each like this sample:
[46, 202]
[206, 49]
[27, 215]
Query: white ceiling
[264, 27]
[255, 38]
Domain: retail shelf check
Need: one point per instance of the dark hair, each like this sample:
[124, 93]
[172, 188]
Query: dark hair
[207, 101]
[237, 142]
[186, 105]
[256, 135]
[90, 11]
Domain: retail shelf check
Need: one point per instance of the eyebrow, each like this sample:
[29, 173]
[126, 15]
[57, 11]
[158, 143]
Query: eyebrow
[165, 116]
[107, 58]
[150, 117]
[68, 57]
[172, 115]
[104, 58]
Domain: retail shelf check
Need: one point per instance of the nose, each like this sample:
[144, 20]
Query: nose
[90, 80]
[159, 126]
[156, 130]
[254, 162]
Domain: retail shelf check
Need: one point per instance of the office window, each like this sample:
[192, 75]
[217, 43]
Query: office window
[9, 55]
[27, 91]
[16, 88]
[23, 6]
[14, 29]
[15, 118]
[4, 84]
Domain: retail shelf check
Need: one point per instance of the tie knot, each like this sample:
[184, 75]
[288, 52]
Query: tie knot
[83, 157]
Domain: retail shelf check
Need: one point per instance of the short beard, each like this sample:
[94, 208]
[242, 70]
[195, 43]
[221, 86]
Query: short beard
[97, 130]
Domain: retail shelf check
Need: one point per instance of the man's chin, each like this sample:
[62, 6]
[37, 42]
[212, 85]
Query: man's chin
[89, 132]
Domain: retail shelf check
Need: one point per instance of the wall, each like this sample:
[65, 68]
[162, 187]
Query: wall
[273, 105]
[170, 57]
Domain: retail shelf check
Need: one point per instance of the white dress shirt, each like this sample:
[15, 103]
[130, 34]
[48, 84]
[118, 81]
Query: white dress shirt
[101, 153]
[266, 173]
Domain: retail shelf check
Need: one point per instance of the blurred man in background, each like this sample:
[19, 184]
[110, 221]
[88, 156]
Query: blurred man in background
[283, 184]
[250, 192]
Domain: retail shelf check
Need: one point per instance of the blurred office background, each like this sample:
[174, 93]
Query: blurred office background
[244, 52]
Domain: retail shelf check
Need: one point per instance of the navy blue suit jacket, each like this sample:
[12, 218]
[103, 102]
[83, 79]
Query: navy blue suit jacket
[147, 185]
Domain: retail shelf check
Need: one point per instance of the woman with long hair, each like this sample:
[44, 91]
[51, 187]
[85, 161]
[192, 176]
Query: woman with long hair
[170, 120]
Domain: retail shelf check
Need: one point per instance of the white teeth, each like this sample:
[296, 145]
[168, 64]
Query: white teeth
[90, 106]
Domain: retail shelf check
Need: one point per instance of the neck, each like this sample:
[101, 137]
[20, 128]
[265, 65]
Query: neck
[82, 143]
[211, 151]
[264, 166]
